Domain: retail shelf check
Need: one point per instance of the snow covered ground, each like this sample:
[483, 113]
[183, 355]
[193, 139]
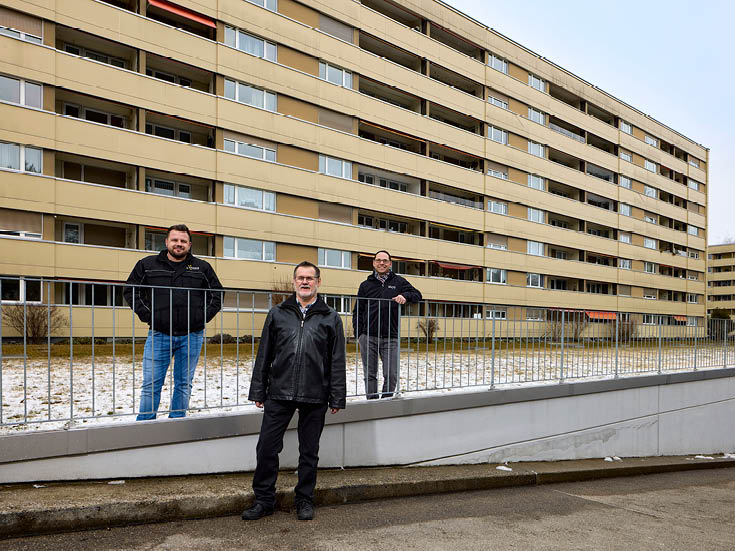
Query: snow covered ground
[36, 397]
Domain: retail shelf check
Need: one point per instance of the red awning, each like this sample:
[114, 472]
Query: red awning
[680, 318]
[455, 266]
[601, 315]
[183, 12]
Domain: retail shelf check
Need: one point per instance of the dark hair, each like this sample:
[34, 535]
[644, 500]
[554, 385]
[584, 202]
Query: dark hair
[307, 264]
[386, 252]
[179, 227]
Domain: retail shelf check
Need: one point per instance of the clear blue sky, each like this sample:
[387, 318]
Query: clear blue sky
[673, 60]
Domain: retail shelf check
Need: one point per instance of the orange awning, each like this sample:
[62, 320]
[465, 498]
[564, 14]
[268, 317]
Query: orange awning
[680, 318]
[183, 12]
[455, 266]
[601, 315]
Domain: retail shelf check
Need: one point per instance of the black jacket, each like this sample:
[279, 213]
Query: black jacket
[170, 307]
[379, 318]
[301, 358]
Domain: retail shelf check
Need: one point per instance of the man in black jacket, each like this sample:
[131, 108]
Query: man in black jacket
[300, 365]
[375, 321]
[176, 317]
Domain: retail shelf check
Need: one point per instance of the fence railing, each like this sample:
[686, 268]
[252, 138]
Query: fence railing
[91, 364]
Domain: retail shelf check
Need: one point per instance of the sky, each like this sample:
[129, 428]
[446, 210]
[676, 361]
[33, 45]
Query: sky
[669, 59]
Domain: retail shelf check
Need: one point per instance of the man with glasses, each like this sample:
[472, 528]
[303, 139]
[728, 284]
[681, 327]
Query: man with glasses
[300, 365]
[375, 321]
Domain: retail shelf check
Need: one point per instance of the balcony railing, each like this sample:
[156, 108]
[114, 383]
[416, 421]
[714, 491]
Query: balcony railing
[567, 133]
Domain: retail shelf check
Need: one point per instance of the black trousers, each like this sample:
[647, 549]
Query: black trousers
[276, 417]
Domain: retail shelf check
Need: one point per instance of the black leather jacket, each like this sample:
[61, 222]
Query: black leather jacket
[174, 311]
[301, 358]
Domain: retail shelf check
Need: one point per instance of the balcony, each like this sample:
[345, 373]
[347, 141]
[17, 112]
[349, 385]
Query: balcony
[175, 128]
[456, 42]
[182, 18]
[448, 116]
[390, 180]
[442, 194]
[396, 12]
[95, 48]
[602, 144]
[389, 94]
[95, 171]
[455, 157]
[96, 110]
[179, 73]
[455, 271]
[455, 235]
[391, 138]
[455, 80]
[390, 52]
[566, 96]
[568, 130]
[565, 159]
[601, 173]
[601, 114]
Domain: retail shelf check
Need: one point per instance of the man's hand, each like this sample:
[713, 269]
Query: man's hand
[400, 299]
[334, 410]
[259, 404]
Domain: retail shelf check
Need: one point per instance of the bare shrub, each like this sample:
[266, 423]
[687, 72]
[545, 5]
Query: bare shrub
[281, 289]
[35, 321]
[429, 327]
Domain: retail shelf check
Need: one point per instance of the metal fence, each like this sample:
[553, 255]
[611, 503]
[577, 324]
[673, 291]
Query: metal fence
[90, 365]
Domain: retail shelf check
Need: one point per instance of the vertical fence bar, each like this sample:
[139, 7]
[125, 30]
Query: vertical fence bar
[48, 351]
[561, 363]
[93, 378]
[71, 355]
[237, 348]
[114, 355]
[221, 354]
[132, 332]
[1, 354]
[660, 331]
[492, 353]
[724, 331]
[617, 339]
[25, 357]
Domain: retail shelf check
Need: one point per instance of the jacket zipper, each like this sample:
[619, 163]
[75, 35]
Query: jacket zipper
[297, 371]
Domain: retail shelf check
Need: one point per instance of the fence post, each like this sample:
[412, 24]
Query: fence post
[561, 365]
[492, 340]
[696, 333]
[617, 321]
[660, 328]
[724, 358]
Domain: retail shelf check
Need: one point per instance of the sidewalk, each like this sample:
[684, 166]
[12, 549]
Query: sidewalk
[27, 509]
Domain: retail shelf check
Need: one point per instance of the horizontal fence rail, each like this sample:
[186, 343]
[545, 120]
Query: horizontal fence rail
[74, 351]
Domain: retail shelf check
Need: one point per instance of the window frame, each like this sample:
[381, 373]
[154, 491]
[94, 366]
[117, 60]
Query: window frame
[80, 230]
[625, 182]
[538, 246]
[626, 127]
[501, 273]
[650, 241]
[650, 166]
[266, 94]
[492, 60]
[536, 82]
[537, 116]
[624, 209]
[322, 258]
[345, 167]
[347, 75]
[503, 206]
[86, 53]
[536, 215]
[264, 244]
[268, 46]
[22, 160]
[535, 145]
[22, 99]
[626, 155]
[530, 280]
[492, 130]
[625, 237]
[22, 290]
[236, 189]
[264, 150]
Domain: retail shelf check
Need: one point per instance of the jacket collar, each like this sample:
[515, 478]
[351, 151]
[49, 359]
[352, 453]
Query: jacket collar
[318, 306]
[373, 277]
[163, 257]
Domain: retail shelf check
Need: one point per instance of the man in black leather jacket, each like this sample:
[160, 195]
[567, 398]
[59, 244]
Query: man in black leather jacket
[300, 365]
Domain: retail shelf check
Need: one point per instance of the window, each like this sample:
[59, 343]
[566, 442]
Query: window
[558, 284]
[497, 207]
[14, 156]
[649, 267]
[694, 254]
[625, 264]
[498, 102]
[649, 319]
[20, 289]
[561, 255]
[93, 115]
[496, 275]
[167, 187]
[497, 63]
[650, 165]
[22, 92]
[336, 167]
[95, 56]
[536, 82]
[244, 93]
[250, 44]
[626, 156]
[498, 174]
[341, 303]
[334, 258]
[650, 294]
[624, 209]
[335, 75]
[625, 127]
[691, 321]
[650, 192]
[73, 233]
[692, 298]
[535, 248]
[693, 276]
[692, 230]
[496, 313]
[250, 150]
[624, 237]
[693, 161]
[155, 240]
[649, 243]
[536, 149]
[497, 134]
[535, 314]
[267, 4]
[241, 196]
[536, 215]
[625, 182]
[535, 115]
[534, 280]
[535, 182]
[650, 218]
[693, 184]
[249, 249]
[650, 140]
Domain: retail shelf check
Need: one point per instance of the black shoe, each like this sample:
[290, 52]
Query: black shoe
[373, 396]
[256, 511]
[387, 395]
[304, 510]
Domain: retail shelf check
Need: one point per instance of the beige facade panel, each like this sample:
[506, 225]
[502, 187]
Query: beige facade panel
[298, 109]
[297, 60]
[21, 21]
[517, 107]
[335, 213]
[337, 121]
[297, 206]
[19, 220]
[518, 72]
[518, 142]
[293, 254]
[294, 156]
[299, 12]
[336, 28]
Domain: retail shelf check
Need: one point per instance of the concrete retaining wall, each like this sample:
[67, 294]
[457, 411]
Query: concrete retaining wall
[684, 413]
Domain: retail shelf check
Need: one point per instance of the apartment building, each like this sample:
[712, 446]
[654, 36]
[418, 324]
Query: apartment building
[721, 278]
[281, 131]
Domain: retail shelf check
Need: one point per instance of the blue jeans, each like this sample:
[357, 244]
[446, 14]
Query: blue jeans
[159, 348]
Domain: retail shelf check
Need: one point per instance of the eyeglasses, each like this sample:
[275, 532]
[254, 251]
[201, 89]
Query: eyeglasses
[306, 279]
[382, 261]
